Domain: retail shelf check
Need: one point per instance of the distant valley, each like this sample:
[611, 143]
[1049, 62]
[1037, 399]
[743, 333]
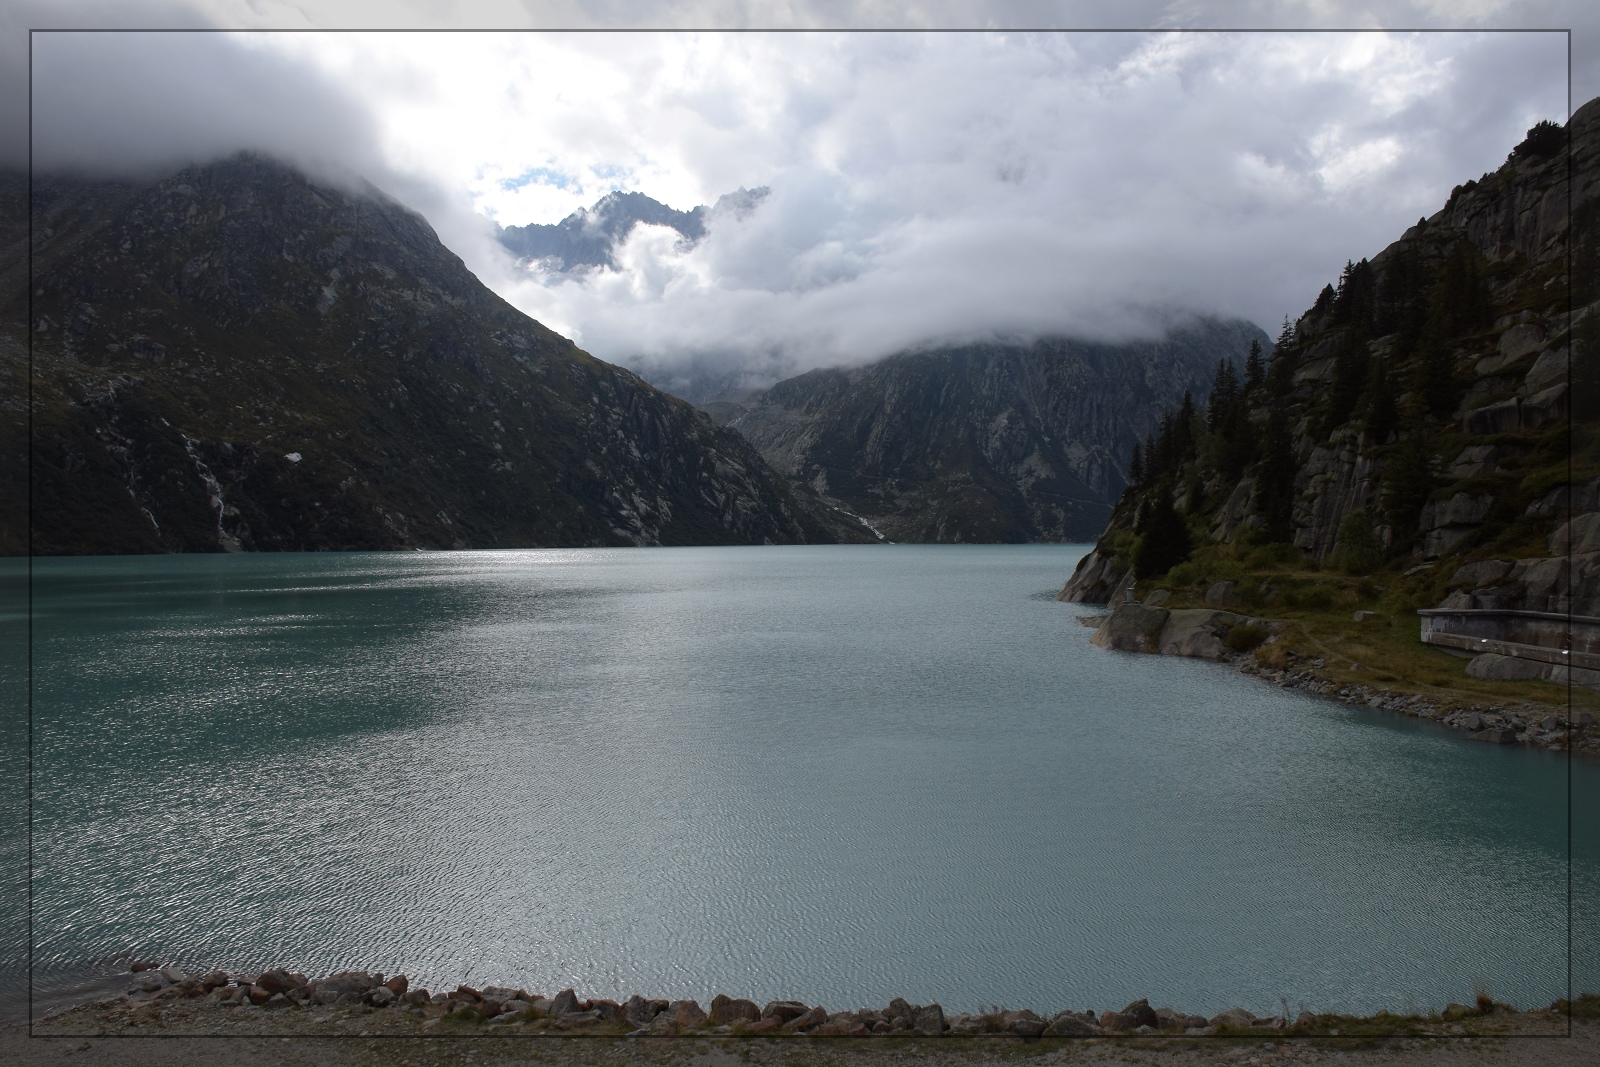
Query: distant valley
[976, 443]
[985, 443]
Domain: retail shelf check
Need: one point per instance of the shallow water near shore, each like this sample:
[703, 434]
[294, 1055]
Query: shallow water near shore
[837, 774]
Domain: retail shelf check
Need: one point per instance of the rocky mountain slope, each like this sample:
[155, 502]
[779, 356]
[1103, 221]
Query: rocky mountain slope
[983, 443]
[1432, 421]
[241, 357]
[590, 237]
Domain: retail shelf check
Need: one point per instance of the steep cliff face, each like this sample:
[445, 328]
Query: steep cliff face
[1425, 413]
[241, 357]
[983, 443]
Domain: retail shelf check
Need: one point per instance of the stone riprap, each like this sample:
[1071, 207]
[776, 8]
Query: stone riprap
[282, 990]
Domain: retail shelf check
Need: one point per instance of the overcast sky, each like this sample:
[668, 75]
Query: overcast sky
[925, 187]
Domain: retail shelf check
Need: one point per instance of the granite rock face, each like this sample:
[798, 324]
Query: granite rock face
[983, 443]
[1131, 628]
[1198, 633]
[1445, 489]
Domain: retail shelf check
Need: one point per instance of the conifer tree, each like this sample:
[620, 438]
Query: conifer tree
[1136, 467]
[1382, 415]
[1357, 550]
[1224, 395]
[1275, 479]
[1163, 536]
[1255, 370]
[1350, 372]
[1353, 302]
[1285, 339]
[1435, 383]
[1460, 303]
[1184, 445]
[1408, 479]
[1324, 301]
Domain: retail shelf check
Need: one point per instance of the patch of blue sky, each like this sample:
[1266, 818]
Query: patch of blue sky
[539, 176]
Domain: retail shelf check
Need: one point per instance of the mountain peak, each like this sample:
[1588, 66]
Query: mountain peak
[589, 237]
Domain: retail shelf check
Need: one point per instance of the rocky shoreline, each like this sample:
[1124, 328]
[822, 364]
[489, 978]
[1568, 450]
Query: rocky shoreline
[1203, 634]
[282, 1000]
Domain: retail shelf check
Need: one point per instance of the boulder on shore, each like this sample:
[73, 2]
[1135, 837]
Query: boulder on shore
[1131, 628]
[1197, 633]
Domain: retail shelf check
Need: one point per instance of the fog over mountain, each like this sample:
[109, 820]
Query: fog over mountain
[924, 189]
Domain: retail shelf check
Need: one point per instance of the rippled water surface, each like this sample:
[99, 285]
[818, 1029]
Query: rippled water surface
[838, 774]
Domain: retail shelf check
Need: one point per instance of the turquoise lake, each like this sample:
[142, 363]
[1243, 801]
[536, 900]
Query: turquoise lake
[836, 774]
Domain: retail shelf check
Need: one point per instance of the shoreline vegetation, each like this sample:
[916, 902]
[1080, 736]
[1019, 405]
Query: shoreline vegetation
[1348, 638]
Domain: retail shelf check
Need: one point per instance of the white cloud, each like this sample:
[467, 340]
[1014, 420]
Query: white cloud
[936, 187]
[923, 186]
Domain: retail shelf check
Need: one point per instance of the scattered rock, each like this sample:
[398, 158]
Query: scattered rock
[1220, 593]
[1138, 1014]
[1233, 1017]
[346, 982]
[566, 1003]
[641, 1012]
[686, 1014]
[1580, 535]
[812, 1019]
[725, 1010]
[1481, 573]
[929, 1020]
[1544, 407]
[1070, 1024]
[1521, 340]
[276, 981]
[784, 1010]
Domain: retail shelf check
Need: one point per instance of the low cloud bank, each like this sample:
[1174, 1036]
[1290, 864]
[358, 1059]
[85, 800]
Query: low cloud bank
[924, 188]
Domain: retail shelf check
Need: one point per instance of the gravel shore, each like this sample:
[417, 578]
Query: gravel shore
[185, 1035]
[355, 1018]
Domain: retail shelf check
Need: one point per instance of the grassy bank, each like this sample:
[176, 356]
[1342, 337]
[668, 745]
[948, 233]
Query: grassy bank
[1319, 605]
